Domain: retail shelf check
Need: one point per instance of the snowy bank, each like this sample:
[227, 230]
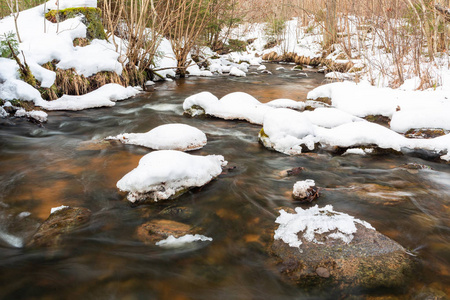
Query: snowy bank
[166, 137]
[166, 174]
[104, 96]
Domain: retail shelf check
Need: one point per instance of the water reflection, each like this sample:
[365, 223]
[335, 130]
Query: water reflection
[67, 163]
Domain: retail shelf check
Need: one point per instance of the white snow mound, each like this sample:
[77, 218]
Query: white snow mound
[287, 130]
[165, 173]
[180, 137]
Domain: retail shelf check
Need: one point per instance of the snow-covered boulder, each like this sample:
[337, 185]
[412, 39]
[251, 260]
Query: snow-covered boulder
[167, 174]
[237, 72]
[234, 106]
[361, 134]
[287, 131]
[404, 120]
[180, 137]
[318, 246]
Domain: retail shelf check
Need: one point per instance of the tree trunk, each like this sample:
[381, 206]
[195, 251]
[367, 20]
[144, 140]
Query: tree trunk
[330, 32]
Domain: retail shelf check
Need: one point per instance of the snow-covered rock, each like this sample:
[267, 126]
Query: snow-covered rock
[234, 106]
[404, 120]
[305, 224]
[237, 72]
[304, 189]
[165, 174]
[319, 246]
[286, 131]
[38, 115]
[361, 134]
[180, 137]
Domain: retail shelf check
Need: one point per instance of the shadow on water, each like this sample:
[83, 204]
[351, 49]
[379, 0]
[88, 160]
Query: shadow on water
[65, 163]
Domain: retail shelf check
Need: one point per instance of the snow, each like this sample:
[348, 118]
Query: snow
[63, 4]
[286, 103]
[55, 209]
[362, 134]
[166, 137]
[363, 99]
[37, 115]
[173, 242]
[357, 151]
[234, 106]
[404, 120]
[162, 174]
[287, 130]
[301, 188]
[307, 224]
[330, 117]
[101, 97]
[3, 113]
[237, 72]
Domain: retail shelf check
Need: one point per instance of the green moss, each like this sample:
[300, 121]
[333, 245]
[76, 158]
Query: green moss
[262, 133]
[93, 20]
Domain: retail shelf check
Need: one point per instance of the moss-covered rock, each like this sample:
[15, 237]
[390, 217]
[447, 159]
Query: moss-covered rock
[426, 133]
[58, 225]
[92, 20]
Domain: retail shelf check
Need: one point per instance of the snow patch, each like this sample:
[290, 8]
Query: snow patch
[55, 209]
[307, 224]
[173, 242]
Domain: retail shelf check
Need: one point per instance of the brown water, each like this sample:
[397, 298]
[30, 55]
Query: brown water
[60, 164]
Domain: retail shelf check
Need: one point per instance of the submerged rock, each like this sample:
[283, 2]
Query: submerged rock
[322, 247]
[157, 230]
[59, 224]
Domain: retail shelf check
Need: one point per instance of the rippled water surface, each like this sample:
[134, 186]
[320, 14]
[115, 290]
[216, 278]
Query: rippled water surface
[62, 163]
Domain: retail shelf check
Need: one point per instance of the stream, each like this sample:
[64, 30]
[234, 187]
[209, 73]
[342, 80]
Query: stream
[62, 163]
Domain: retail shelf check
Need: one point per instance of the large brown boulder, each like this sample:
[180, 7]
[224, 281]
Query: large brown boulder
[369, 261]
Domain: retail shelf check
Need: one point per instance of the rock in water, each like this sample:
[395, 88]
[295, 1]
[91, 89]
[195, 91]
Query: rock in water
[157, 230]
[305, 191]
[60, 223]
[322, 247]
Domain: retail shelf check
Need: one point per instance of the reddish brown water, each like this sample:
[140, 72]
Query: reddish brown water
[62, 164]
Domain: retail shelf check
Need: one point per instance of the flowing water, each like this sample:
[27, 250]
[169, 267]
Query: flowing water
[63, 164]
